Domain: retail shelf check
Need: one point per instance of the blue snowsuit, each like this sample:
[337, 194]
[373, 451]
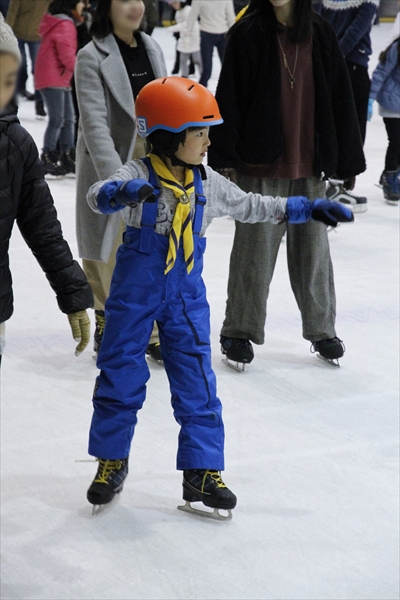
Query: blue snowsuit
[140, 294]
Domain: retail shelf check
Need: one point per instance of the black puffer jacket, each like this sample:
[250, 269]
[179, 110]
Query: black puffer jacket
[248, 95]
[26, 198]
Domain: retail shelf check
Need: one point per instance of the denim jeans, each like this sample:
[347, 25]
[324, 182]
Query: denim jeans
[208, 42]
[23, 71]
[60, 132]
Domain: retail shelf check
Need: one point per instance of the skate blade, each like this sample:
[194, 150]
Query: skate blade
[238, 367]
[393, 202]
[97, 509]
[215, 514]
[334, 362]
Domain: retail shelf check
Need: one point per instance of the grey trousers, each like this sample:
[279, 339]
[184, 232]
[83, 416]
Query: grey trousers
[253, 259]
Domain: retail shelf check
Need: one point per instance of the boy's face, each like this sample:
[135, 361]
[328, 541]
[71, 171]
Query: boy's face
[195, 148]
[8, 78]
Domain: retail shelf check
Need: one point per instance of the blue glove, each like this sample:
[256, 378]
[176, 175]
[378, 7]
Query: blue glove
[370, 109]
[115, 195]
[299, 210]
[330, 213]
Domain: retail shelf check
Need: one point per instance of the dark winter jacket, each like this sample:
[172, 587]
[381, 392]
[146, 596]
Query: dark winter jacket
[352, 21]
[25, 197]
[248, 95]
[385, 84]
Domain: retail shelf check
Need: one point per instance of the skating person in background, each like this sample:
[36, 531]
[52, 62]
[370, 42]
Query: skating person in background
[24, 18]
[83, 38]
[53, 73]
[110, 72]
[168, 200]
[188, 44]
[26, 199]
[352, 21]
[290, 123]
[216, 18]
[385, 89]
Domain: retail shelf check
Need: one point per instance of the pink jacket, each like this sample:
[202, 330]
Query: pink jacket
[56, 58]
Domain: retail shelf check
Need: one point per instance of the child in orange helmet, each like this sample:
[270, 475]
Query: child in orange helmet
[168, 199]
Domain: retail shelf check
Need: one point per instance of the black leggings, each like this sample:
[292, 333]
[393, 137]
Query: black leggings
[392, 160]
[361, 84]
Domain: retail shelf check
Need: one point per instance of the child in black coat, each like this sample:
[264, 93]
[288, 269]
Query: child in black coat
[26, 198]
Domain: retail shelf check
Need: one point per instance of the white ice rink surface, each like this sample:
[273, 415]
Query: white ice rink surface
[311, 451]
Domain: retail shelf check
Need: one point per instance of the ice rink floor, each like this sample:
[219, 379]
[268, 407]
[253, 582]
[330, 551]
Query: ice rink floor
[311, 451]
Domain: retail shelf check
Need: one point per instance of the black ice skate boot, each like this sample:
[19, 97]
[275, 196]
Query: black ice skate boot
[238, 351]
[391, 186]
[108, 482]
[39, 109]
[154, 352]
[68, 162]
[52, 169]
[98, 332]
[337, 193]
[330, 350]
[206, 486]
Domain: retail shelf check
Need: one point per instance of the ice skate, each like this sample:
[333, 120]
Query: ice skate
[68, 162]
[329, 350]
[206, 486]
[154, 352]
[391, 186]
[51, 167]
[337, 193]
[238, 353]
[108, 482]
[98, 333]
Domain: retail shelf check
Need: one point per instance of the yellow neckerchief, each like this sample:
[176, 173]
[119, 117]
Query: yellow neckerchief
[182, 223]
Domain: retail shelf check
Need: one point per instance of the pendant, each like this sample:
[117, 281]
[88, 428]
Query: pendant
[292, 80]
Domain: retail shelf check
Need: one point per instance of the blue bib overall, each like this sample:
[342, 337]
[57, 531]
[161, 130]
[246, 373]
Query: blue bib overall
[140, 294]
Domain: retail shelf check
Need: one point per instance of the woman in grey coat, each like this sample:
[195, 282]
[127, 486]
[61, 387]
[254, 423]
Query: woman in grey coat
[110, 71]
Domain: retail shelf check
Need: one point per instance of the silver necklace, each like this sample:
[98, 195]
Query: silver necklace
[285, 62]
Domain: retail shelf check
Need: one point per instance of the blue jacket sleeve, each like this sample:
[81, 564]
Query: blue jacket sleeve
[383, 71]
[359, 27]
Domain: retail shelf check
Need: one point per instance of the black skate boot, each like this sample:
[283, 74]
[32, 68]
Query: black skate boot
[154, 352]
[52, 169]
[98, 332]
[238, 351]
[391, 186]
[337, 193]
[206, 486]
[108, 482]
[330, 350]
[68, 162]
[39, 109]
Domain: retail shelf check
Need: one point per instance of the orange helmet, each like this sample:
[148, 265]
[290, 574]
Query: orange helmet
[174, 104]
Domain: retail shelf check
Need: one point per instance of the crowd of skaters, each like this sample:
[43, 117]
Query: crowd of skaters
[294, 94]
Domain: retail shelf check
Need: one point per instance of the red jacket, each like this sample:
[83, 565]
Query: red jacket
[56, 58]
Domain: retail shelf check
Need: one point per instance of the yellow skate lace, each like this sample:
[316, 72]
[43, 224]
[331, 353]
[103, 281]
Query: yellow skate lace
[215, 476]
[106, 467]
[100, 323]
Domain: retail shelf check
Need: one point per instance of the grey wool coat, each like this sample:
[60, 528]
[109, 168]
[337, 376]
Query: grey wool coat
[107, 133]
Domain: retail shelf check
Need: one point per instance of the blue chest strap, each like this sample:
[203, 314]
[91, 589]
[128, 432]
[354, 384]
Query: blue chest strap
[150, 210]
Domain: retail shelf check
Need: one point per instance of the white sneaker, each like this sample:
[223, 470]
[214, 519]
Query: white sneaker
[337, 193]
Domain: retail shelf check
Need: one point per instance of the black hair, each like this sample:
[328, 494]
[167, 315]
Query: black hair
[65, 7]
[101, 25]
[262, 12]
[166, 143]
[383, 55]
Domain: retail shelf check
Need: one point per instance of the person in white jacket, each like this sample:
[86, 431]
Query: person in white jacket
[216, 18]
[188, 44]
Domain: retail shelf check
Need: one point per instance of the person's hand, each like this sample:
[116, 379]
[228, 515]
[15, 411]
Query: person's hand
[80, 326]
[115, 195]
[330, 213]
[370, 109]
[349, 184]
[134, 191]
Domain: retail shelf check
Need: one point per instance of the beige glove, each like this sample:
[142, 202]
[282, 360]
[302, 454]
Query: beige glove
[80, 325]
